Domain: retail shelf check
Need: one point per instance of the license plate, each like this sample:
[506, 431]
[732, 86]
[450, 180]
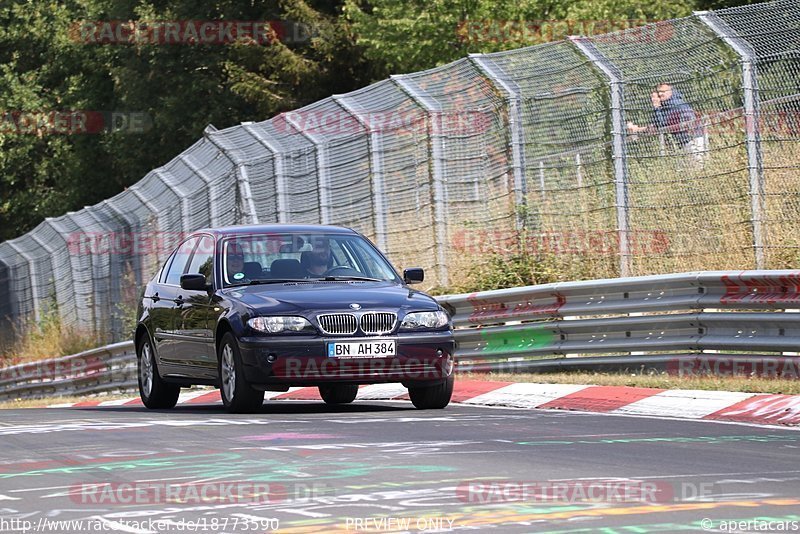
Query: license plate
[373, 348]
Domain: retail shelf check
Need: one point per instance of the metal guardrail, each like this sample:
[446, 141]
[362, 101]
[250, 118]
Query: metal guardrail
[650, 321]
[106, 369]
[746, 312]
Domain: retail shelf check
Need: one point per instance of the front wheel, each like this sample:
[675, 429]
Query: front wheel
[237, 395]
[433, 397]
[153, 390]
[338, 393]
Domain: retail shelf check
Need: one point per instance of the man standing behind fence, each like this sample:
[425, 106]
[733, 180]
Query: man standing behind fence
[671, 113]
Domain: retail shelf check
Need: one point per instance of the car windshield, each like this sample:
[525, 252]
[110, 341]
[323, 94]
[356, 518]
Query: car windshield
[276, 257]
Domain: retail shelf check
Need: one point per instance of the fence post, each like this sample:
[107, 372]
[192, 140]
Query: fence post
[242, 179]
[375, 142]
[173, 185]
[73, 291]
[619, 153]
[281, 190]
[751, 119]
[434, 112]
[515, 123]
[213, 208]
[542, 181]
[322, 169]
[33, 278]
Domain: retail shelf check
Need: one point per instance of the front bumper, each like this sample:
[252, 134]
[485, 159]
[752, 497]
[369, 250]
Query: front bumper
[421, 358]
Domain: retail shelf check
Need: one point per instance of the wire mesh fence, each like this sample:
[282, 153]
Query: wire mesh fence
[670, 147]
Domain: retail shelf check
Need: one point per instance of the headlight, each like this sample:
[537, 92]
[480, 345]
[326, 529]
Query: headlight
[417, 320]
[277, 325]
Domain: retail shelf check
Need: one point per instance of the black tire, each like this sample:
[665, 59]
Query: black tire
[433, 397]
[153, 390]
[237, 395]
[338, 393]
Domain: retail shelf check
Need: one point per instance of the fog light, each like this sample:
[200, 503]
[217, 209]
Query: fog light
[271, 358]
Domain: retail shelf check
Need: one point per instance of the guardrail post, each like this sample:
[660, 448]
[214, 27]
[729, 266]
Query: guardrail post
[434, 112]
[322, 169]
[281, 189]
[243, 181]
[515, 124]
[751, 118]
[376, 167]
[619, 153]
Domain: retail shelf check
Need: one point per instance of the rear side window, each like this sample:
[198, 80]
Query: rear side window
[178, 265]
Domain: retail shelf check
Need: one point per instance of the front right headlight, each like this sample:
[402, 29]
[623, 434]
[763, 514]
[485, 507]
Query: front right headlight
[279, 324]
[425, 320]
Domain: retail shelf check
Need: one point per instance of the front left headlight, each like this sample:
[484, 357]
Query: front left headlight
[425, 320]
[280, 324]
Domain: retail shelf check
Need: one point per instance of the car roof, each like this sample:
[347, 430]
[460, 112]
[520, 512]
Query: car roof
[254, 229]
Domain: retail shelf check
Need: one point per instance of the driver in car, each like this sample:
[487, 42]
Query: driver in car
[235, 263]
[318, 260]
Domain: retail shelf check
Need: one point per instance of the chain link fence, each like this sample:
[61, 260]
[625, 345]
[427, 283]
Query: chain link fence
[669, 147]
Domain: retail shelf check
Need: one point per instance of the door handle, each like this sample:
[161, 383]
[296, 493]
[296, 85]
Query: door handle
[155, 298]
[179, 301]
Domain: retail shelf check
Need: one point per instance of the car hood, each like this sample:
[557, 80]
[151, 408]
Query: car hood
[314, 297]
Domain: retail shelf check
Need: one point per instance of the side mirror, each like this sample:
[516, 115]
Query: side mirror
[414, 275]
[194, 282]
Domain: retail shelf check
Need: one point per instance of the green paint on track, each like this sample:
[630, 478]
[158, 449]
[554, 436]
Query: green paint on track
[234, 464]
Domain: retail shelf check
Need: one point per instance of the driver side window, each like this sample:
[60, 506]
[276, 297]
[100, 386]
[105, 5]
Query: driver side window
[178, 266]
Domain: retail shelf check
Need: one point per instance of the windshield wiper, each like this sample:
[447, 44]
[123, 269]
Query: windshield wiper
[267, 281]
[345, 278]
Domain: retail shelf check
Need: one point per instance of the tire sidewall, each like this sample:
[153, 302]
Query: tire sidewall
[245, 399]
[139, 357]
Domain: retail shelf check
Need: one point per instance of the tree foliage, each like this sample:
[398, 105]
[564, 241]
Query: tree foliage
[45, 68]
[405, 36]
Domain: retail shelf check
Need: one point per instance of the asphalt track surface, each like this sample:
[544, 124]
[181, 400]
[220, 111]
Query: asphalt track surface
[386, 467]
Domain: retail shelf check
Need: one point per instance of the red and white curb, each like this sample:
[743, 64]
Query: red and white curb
[680, 403]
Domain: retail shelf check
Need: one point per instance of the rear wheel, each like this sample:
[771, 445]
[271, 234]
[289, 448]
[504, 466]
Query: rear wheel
[237, 395]
[432, 397]
[154, 391]
[338, 393]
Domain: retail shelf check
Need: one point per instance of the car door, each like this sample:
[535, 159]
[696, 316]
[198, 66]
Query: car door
[164, 306]
[194, 341]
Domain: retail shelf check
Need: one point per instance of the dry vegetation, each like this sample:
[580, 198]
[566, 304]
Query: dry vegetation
[47, 339]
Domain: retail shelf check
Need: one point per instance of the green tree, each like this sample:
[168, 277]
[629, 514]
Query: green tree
[45, 66]
[405, 36]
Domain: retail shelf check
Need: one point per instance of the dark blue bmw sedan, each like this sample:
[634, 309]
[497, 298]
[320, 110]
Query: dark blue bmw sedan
[250, 309]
